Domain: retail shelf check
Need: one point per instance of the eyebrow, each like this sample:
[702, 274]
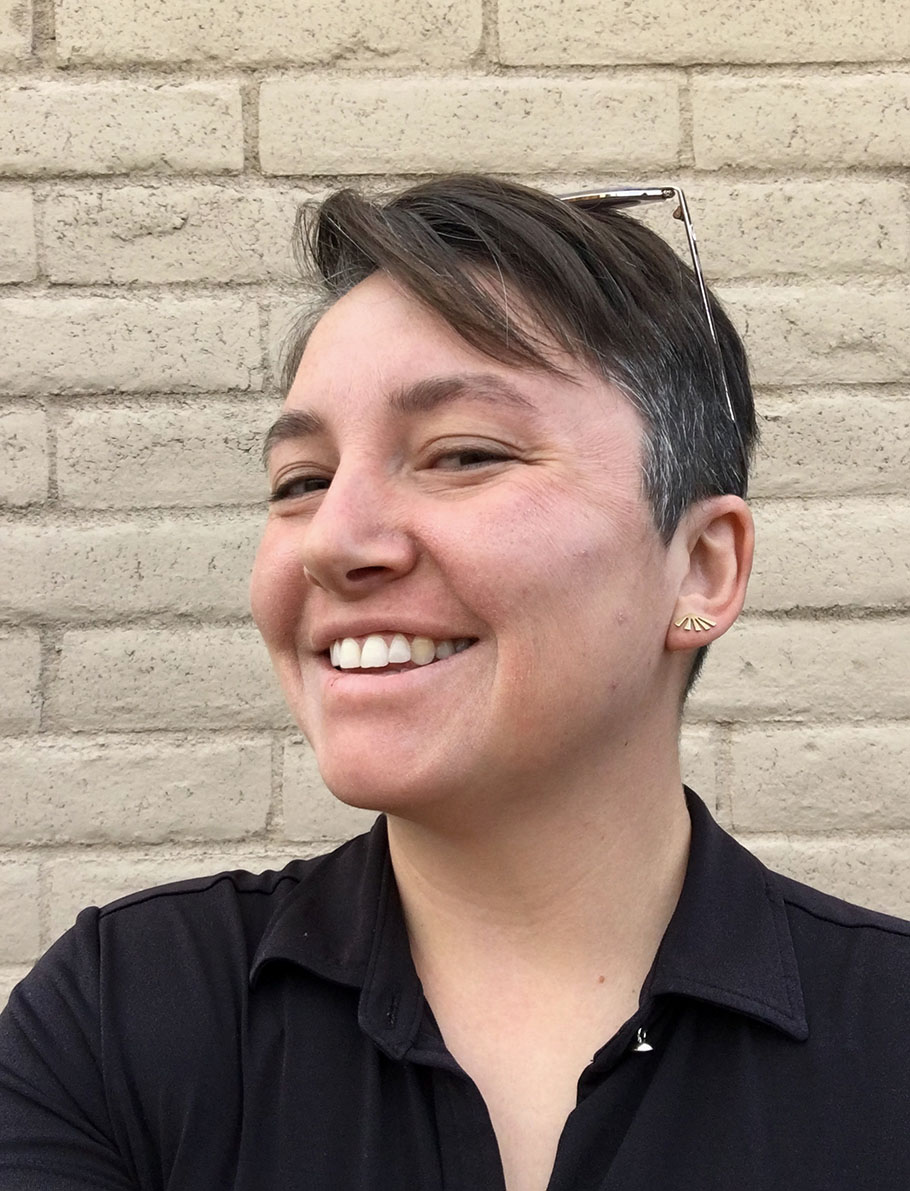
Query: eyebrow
[293, 423]
[422, 397]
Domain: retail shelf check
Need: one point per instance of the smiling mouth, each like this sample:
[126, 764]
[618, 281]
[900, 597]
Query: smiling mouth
[391, 653]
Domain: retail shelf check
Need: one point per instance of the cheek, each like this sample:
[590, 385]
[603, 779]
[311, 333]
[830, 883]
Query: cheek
[276, 590]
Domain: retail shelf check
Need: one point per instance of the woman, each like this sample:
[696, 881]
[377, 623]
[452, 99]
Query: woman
[507, 515]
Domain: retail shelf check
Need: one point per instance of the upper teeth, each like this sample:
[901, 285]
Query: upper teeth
[375, 651]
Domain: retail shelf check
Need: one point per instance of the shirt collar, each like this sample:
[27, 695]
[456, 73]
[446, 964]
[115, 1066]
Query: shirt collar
[729, 939]
[728, 942]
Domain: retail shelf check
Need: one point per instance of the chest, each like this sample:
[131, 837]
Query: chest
[302, 1096]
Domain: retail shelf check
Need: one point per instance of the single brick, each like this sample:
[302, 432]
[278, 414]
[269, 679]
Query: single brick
[348, 125]
[805, 670]
[759, 229]
[828, 334]
[18, 256]
[832, 444]
[119, 127]
[23, 457]
[130, 345]
[593, 32]
[15, 30]
[835, 777]
[836, 554]
[65, 572]
[206, 453]
[813, 121]
[869, 872]
[168, 233]
[311, 812]
[269, 32]
[20, 668]
[20, 934]
[112, 679]
[93, 880]
[133, 791]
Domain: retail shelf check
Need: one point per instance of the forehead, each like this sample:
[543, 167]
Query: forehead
[380, 326]
[378, 337]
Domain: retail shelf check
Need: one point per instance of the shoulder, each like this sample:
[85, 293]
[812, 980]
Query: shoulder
[822, 914]
[216, 920]
[854, 963]
[229, 896]
[167, 943]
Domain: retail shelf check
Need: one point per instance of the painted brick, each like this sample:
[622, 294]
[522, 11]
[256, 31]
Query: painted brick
[70, 791]
[311, 812]
[94, 880]
[269, 32]
[23, 457]
[841, 777]
[805, 670]
[15, 30]
[830, 444]
[836, 554]
[128, 344]
[18, 255]
[20, 935]
[868, 872]
[556, 32]
[20, 666]
[762, 229]
[9, 978]
[428, 125]
[826, 121]
[65, 572]
[166, 234]
[827, 334]
[113, 679]
[115, 127]
[207, 453]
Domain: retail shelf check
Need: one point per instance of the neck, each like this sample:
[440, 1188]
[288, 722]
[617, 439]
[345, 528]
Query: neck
[577, 883]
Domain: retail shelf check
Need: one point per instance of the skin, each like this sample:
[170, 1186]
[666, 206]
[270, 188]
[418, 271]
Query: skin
[536, 820]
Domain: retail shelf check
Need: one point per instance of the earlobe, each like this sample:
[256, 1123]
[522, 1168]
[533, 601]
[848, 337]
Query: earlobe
[717, 538]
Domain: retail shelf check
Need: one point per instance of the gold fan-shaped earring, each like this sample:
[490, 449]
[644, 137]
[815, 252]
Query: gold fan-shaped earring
[694, 622]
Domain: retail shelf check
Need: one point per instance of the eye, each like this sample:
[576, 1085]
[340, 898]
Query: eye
[469, 458]
[295, 486]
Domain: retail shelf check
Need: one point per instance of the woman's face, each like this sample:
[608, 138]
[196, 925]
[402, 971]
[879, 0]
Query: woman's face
[424, 489]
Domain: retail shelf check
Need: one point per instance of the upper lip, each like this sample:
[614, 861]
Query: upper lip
[323, 637]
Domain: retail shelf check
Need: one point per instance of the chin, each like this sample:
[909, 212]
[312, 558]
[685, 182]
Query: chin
[387, 787]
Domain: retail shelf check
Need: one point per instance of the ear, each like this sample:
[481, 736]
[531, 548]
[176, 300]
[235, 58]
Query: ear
[714, 542]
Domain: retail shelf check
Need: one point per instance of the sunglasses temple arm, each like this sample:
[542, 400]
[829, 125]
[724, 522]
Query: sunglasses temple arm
[682, 212]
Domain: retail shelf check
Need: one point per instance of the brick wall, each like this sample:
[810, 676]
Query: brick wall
[151, 155]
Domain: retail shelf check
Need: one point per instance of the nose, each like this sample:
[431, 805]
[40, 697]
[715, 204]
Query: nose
[357, 541]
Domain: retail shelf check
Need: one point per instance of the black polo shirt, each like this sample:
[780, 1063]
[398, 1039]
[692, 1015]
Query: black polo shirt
[258, 1033]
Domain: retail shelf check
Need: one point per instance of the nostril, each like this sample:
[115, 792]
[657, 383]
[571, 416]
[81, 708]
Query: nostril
[358, 574]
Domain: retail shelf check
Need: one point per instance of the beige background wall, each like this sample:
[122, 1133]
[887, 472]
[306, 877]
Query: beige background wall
[151, 154]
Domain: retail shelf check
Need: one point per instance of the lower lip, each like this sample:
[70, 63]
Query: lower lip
[361, 684]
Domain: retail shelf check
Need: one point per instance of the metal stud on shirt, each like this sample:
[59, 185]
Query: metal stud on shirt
[641, 1041]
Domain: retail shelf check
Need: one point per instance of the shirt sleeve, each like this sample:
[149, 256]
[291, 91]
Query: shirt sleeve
[55, 1127]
